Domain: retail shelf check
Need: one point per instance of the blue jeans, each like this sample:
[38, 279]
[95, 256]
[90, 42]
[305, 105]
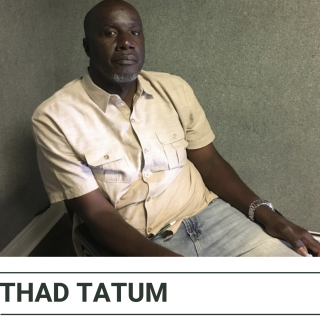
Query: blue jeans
[222, 231]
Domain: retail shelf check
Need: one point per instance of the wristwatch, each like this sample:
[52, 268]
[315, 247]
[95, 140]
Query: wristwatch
[257, 203]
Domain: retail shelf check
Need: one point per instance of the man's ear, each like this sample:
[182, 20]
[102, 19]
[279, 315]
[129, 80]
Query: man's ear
[86, 46]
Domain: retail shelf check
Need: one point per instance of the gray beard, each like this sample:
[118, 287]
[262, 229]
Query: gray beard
[125, 77]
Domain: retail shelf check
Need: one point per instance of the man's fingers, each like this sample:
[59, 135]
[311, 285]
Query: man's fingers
[294, 240]
[300, 239]
[302, 251]
[312, 244]
[299, 247]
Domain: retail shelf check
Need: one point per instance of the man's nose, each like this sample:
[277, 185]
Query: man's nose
[125, 42]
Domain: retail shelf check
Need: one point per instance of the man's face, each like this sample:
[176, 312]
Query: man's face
[116, 43]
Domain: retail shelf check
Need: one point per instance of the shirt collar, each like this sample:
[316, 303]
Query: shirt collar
[101, 98]
[96, 94]
[144, 86]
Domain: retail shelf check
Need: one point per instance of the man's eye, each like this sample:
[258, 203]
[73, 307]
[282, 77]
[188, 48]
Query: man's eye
[135, 33]
[110, 33]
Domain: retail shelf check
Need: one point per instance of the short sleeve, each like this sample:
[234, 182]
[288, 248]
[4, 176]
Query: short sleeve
[64, 174]
[198, 133]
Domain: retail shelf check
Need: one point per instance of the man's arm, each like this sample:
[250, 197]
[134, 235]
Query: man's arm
[220, 178]
[108, 227]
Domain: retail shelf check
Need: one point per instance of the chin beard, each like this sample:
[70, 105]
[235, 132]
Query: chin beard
[125, 77]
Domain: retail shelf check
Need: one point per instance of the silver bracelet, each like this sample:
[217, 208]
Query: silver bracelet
[257, 203]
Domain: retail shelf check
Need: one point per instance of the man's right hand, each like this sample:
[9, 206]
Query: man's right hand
[108, 228]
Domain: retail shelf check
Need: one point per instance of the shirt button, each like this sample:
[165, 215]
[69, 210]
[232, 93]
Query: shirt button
[133, 121]
[174, 136]
[146, 151]
[148, 199]
[106, 157]
[149, 230]
[146, 175]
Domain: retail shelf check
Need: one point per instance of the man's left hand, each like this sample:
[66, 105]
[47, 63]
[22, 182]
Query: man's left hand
[279, 227]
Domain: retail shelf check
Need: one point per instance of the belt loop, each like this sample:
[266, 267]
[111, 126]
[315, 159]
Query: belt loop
[194, 232]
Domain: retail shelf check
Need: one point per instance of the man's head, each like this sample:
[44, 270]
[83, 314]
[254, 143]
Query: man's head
[114, 41]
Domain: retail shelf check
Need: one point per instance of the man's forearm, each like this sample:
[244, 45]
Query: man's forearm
[108, 228]
[122, 239]
[221, 178]
[225, 182]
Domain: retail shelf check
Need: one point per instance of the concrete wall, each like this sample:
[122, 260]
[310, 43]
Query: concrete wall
[253, 64]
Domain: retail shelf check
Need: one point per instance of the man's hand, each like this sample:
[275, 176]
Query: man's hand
[220, 178]
[279, 227]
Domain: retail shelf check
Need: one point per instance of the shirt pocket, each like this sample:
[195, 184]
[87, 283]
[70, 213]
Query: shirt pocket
[172, 149]
[109, 164]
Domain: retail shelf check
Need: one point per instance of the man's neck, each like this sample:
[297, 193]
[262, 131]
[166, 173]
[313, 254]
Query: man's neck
[125, 91]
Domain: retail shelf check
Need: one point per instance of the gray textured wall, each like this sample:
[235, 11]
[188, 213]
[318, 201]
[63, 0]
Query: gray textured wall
[26, 69]
[253, 64]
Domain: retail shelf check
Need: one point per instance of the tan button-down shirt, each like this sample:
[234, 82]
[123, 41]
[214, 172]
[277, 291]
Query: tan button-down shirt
[89, 139]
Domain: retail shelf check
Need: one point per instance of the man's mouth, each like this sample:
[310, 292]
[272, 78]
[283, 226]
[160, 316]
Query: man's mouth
[126, 59]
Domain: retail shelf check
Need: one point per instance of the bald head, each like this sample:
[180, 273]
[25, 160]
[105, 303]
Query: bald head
[94, 16]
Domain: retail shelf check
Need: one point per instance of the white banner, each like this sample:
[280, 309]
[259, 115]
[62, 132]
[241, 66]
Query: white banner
[170, 288]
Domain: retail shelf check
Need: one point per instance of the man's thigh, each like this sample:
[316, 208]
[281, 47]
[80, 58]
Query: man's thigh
[222, 231]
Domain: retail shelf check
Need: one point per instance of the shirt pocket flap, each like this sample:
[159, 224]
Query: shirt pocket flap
[98, 158]
[171, 135]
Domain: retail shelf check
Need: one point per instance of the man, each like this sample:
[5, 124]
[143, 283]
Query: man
[131, 152]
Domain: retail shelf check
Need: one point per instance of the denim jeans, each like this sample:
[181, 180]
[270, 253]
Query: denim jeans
[222, 231]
